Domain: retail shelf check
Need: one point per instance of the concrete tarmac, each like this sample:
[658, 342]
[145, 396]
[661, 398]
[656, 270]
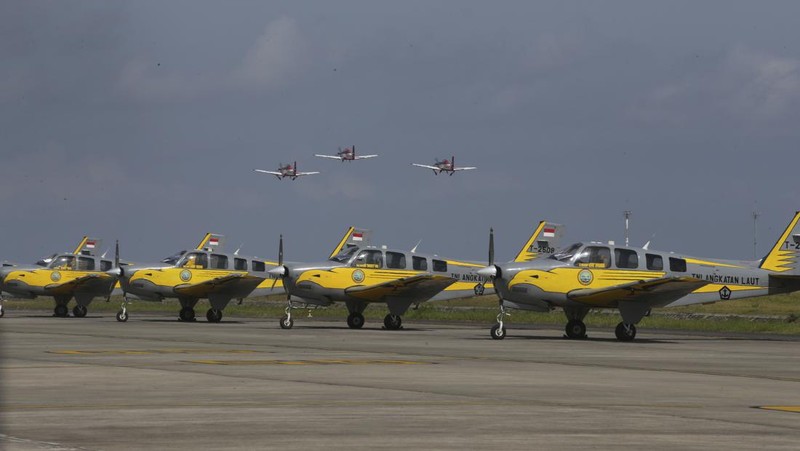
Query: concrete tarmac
[155, 383]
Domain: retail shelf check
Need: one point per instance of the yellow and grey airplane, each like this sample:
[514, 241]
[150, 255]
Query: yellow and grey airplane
[633, 280]
[190, 275]
[80, 274]
[358, 274]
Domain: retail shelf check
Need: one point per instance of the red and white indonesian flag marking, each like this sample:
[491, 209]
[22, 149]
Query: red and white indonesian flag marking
[358, 236]
[549, 232]
[90, 244]
[213, 241]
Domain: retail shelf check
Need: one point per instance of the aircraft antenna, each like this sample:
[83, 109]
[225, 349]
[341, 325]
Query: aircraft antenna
[238, 249]
[627, 214]
[414, 249]
[755, 233]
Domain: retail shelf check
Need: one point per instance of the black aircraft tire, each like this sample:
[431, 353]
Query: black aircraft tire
[624, 334]
[498, 333]
[286, 322]
[80, 311]
[214, 315]
[122, 316]
[186, 314]
[392, 322]
[355, 320]
[61, 311]
[576, 329]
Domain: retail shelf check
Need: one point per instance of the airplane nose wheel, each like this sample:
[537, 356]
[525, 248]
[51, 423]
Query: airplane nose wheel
[122, 314]
[355, 320]
[213, 315]
[498, 331]
[80, 311]
[286, 321]
[576, 329]
[625, 332]
[393, 322]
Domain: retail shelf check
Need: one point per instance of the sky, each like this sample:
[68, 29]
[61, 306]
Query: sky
[143, 121]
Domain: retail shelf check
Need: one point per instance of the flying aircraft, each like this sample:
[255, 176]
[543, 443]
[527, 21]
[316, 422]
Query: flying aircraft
[445, 165]
[346, 154]
[633, 280]
[190, 275]
[286, 170]
[358, 274]
[80, 274]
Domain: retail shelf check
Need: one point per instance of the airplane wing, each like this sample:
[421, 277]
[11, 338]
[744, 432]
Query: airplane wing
[655, 292]
[234, 284]
[425, 166]
[415, 288]
[88, 281]
[468, 168]
[268, 172]
[334, 157]
[300, 174]
[362, 157]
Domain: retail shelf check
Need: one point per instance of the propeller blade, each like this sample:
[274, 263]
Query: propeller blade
[280, 251]
[116, 255]
[491, 247]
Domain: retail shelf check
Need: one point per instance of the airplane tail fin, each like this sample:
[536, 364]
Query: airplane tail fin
[211, 241]
[784, 257]
[354, 236]
[88, 245]
[544, 242]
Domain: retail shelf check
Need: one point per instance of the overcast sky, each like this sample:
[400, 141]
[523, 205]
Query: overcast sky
[143, 121]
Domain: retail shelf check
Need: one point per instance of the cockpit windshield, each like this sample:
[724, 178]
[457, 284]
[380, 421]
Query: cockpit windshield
[564, 255]
[345, 254]
[173, 259]
[63, 262]
[46, 260]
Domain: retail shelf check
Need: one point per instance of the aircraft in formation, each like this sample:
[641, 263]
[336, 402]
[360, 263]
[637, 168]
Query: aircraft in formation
[542, 277]
[358, 274]
[445, 165]
[205, 272]
[593, 275]
[346, 154]
[80, 274]
[286, 170]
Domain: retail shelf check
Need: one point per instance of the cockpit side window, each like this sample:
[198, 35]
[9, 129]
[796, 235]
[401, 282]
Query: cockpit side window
[63, 262]
[196, 261]
[594, 257]
[85, 264]
[105, 265]
[259, 266]
[395, 260]
[369, 259]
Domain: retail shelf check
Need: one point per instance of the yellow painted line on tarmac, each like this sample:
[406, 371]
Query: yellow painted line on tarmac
[795, 409]
[87, 352]
[310, 362]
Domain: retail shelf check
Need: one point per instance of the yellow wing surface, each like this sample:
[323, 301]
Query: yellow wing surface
[86, 282]
[416, 288]
[655, 292]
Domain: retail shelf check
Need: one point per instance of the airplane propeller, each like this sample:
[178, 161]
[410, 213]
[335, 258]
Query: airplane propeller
[491, 270]
[279, 271]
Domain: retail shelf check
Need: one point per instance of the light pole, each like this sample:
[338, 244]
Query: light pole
[627, 214]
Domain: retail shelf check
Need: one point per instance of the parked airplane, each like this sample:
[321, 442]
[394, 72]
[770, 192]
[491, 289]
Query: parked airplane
[190, 275]
[80, 274]
[445, 165]
[346, 154]
[286, 170]
[634, 280]
[358, 274]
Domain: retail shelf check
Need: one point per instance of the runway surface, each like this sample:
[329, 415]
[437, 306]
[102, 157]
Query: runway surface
[155, 383]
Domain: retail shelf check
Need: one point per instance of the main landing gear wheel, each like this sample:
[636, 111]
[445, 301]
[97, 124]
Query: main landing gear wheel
[392, 322]
[122, 316]
[498, 332]
[80, 311]
[2, 311]
[186, 314]
[355, 320]
[625, 332]
[61, 311]
[286, 322]
[214, 315]
[576, 329]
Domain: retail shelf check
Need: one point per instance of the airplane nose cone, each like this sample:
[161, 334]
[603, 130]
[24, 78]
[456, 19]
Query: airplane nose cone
[115, 272]
[488, 271]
